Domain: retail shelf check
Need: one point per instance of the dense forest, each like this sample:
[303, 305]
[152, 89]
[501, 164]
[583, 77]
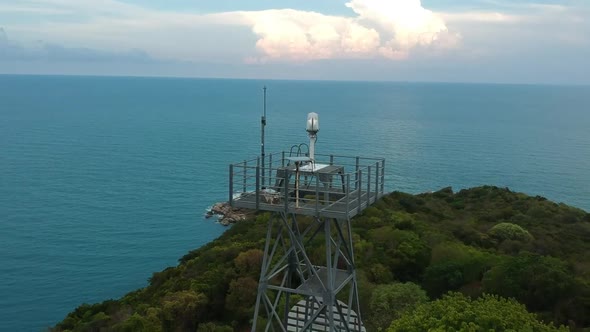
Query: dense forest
[481, 259]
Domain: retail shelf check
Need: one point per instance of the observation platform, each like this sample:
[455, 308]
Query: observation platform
[332, 186]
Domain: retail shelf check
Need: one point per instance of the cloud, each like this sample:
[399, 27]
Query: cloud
[11, 50]
[403, 25]
[512, 13]
[16, 9]
[390, 29]
[484, 17]
[371, 35]
[527, 28]
[298, 35]
[381, 28]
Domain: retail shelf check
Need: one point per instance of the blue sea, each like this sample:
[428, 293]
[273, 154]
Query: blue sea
[106, 180]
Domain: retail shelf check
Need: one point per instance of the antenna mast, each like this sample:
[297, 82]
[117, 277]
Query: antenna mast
[263, 124]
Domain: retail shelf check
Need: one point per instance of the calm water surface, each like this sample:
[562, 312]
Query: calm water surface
[105, 180]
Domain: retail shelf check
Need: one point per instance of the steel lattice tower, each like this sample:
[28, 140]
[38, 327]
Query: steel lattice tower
[308, 279]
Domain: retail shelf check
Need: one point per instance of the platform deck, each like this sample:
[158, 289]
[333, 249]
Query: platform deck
[330, 204]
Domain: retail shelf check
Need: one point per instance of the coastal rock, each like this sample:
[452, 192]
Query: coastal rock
[226, 214]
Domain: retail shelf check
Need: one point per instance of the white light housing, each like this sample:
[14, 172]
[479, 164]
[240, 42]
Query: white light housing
[313, 124]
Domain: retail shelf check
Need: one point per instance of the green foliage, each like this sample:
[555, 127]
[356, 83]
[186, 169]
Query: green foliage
[389, 302]
[537, 281]
[248, 263]
[94, 317]
[576, 310]
[456, 312]
[454, 265]
[139, 323]
[442, 241]
[183, 310]
[403, 220]
[404, 252]
[241, 297]
[365, 289]
[379, 274]
[212, 327]
[507, 231]
[410, 203]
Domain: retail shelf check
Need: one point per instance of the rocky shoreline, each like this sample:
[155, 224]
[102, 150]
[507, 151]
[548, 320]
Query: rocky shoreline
[226, 214]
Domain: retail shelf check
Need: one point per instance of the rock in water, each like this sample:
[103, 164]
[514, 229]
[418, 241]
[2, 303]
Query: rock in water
[226, 214]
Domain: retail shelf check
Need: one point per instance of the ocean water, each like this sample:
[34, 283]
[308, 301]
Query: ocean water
[105, 180]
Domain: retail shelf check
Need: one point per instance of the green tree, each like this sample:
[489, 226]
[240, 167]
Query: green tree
[388, 302]
[241, 297]
[379, 274]
[537, 281]
[392, 239]
[443, 277]
[403, 251]
[454, 265]
[182, 310]
[456, 312]
[248, 263]
[137, 322]
[507, 231]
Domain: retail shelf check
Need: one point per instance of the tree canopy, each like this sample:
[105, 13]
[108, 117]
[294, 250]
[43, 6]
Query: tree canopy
[457, 312]
[391, 301]
[472, 242]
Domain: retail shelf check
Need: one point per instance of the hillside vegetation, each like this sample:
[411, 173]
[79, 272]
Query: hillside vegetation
[479, 259]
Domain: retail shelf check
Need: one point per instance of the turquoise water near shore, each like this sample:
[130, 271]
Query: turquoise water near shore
[105, 180]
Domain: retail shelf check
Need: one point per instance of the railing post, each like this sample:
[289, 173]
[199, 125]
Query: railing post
[369, 186]
[317, 195]
[231, 185]
[331, 159]
[270, 170]
[347, 194]
[257, 183]
[383, 177]
[359, 175]
[357, 178]
[245, 177]
[286, 181]
[376, 181]
[282, 158]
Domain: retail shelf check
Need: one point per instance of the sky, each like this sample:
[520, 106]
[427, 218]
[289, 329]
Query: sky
[487, 41]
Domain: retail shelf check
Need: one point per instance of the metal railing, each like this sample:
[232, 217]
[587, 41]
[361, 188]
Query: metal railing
[336, 186]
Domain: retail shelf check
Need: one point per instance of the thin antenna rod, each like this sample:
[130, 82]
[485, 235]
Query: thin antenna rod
[263, 124]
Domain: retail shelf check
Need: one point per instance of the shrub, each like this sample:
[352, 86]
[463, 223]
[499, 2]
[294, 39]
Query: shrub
[507, 231]
[389, 302]
[456, 312]
[537, 281]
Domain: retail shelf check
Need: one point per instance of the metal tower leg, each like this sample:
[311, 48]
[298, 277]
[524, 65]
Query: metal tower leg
[287, 273]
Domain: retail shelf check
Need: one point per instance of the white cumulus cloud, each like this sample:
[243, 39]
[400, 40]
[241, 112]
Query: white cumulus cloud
[380, 28]
[374, 29]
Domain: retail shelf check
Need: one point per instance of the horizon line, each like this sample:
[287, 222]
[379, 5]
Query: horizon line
[295, 79]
